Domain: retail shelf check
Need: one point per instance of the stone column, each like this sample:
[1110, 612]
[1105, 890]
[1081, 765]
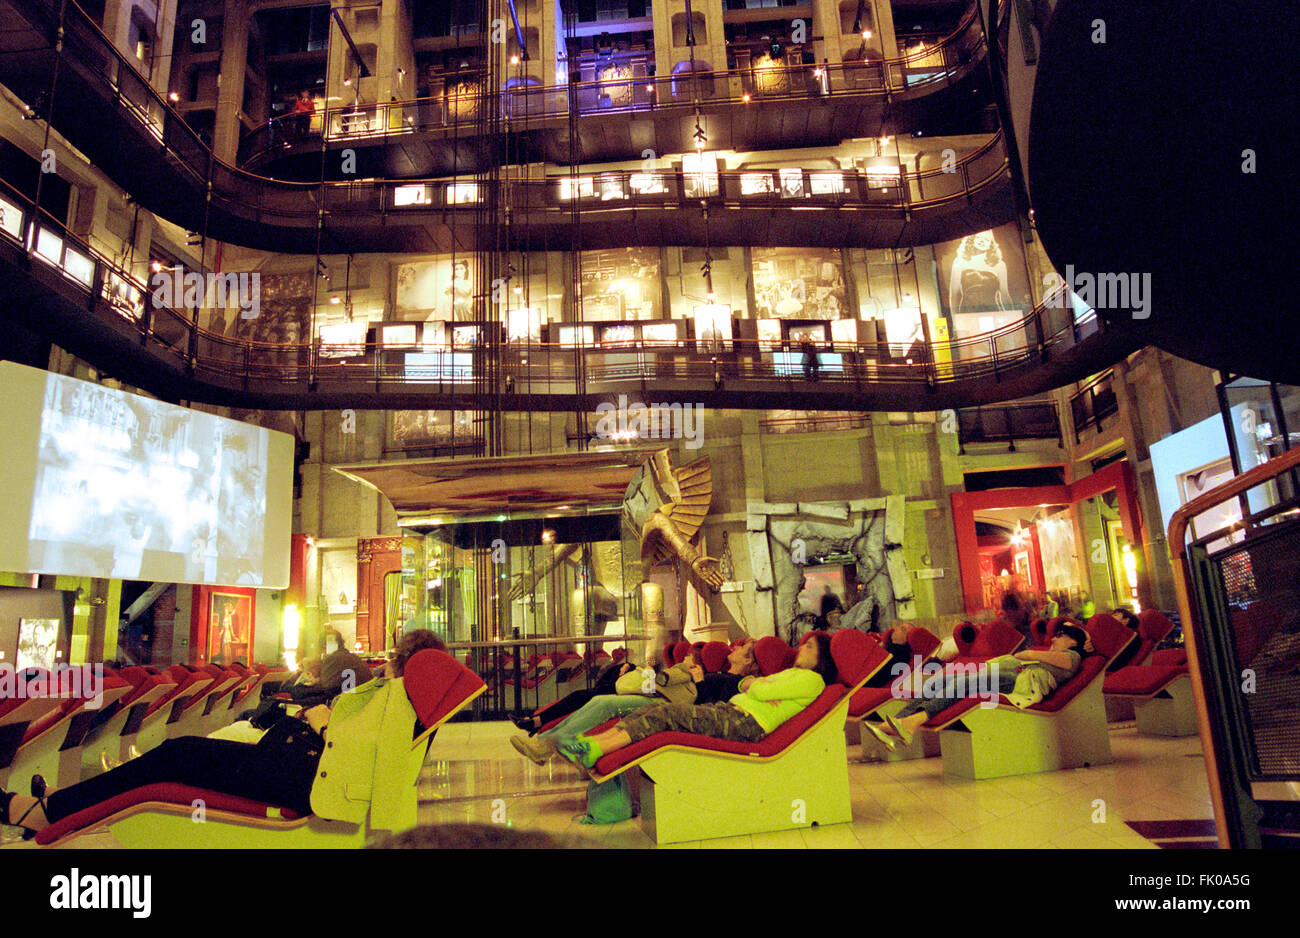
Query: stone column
[230, 82]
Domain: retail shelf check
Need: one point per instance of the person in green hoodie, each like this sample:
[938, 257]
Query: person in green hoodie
[763, 704]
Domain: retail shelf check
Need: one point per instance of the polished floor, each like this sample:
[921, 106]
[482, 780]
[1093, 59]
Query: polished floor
[475, 775]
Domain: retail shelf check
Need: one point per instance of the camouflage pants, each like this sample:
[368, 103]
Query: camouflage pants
[719, 720]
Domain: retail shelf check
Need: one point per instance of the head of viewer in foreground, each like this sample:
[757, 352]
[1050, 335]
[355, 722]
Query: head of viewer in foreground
[278, 770]
[763, 704]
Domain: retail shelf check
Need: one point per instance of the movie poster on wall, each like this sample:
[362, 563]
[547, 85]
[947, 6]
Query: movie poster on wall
[794, 283]
[284, 314]
[415, 428]
[438, 289]
[38, 642]
[984, 273]
[621, 283]
[230, 628]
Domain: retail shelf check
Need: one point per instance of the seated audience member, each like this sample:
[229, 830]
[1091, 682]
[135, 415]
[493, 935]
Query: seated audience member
[278, 770]
[1061, 662]
[1016, 612]
[1129, 621]
[606, 679]
[708, 688]
[762, 705]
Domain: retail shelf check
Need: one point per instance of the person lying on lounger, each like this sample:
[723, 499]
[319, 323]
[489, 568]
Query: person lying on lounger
[279, 770]
[763, 704]
[1061, 661]
[709, 688]
[572, 702]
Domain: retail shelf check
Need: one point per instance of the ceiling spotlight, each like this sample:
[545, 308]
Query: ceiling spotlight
[334, 300]
[548, 536]
[155, 266]
[746, 97]
[866, 34]
[173, 96]
[347, 82]
[514, 60]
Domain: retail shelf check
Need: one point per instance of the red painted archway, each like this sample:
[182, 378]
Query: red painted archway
[1117, 477]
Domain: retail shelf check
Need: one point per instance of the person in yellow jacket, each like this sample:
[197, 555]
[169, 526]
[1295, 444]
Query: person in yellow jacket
[763, 704]
[324, 763]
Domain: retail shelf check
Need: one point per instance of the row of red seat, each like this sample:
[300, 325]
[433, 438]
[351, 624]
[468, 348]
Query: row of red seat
[67, 737]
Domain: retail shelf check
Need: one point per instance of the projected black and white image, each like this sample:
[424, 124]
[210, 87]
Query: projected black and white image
[131, 488]
[38, 641]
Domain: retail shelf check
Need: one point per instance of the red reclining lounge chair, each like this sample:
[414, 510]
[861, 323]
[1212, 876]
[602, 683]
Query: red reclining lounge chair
[1066, 730]
[362, 798]
[694, 787]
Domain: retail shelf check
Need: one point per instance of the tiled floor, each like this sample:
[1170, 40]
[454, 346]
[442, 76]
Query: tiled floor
[474, 775]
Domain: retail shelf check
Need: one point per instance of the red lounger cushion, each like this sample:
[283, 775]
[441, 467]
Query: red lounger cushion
[436, 683]
[713, 657]
[1167, 657]
[868, 699]
[773, 655]
[769, 745]
[168, 793]
[1141, 680]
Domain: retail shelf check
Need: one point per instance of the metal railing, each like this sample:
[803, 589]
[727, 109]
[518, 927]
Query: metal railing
[528, 102]
[514, 687]
[1092, 404]
[1006, 423]
[1240, 611]
[118, 296]
[252, 202]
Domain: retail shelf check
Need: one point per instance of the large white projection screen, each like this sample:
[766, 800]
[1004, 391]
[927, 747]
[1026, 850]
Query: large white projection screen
[103, 483]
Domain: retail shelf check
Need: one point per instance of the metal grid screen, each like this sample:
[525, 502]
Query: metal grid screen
[1261, 580]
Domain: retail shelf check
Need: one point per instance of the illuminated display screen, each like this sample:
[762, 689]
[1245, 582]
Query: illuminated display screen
[108, 484]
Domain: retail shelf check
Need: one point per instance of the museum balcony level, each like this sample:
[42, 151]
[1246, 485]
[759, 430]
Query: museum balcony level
[937, 92]
[59, 287]
[102, 105]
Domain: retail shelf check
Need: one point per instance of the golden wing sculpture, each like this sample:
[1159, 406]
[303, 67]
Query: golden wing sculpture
[670, 505]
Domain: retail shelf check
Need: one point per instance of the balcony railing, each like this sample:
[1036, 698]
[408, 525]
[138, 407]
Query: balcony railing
[524, 104]
[245, 207]
[539, 368]
[1006, 423]
[1091, 405]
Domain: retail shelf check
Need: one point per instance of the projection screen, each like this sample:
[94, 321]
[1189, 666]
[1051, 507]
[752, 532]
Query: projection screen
[103, 483]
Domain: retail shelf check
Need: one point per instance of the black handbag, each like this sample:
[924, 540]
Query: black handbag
[292, 737]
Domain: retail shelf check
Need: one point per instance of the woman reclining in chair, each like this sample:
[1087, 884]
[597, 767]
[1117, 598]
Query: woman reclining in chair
[762, 705]
[1060, 662]
[704, 688]
[279, 770]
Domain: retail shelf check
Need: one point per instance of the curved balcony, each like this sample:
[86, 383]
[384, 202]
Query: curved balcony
[743, 109]
[60, 287]
[106, 109]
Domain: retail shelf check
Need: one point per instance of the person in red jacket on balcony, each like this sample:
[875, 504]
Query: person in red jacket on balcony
[303, 109]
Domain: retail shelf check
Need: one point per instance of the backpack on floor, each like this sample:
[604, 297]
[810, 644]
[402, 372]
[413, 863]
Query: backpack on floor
[609, 802]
